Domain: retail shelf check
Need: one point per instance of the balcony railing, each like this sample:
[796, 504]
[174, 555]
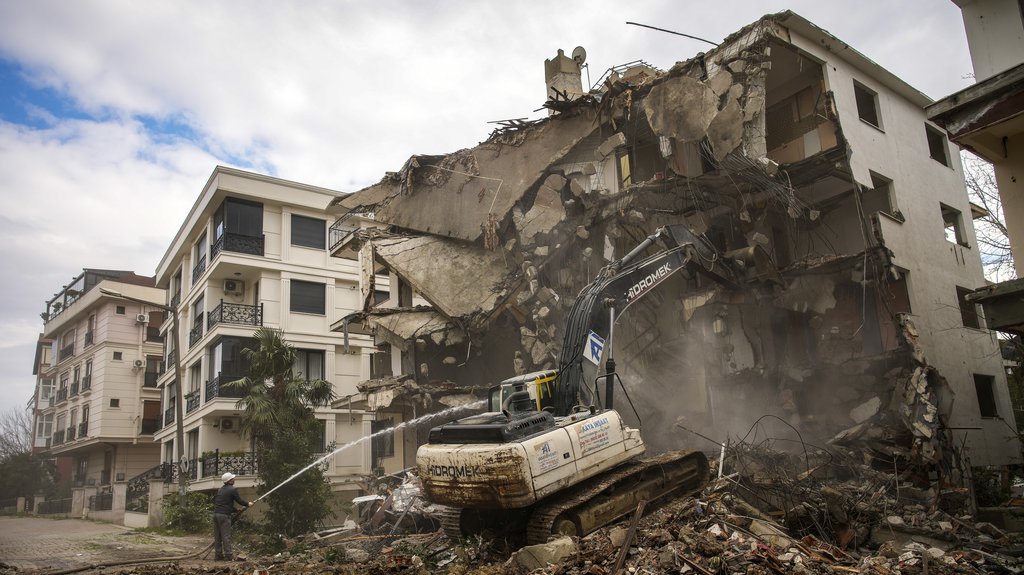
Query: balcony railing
[196, 332]
[150, 426]
[88, 338]
[149, 380]
[74, 389]
[236, 314]
[232, 242]
[67, 351]
[217, 464]
[62, 394]
[70, 435]
[58, 438]
[169, 415]
[215, 389]
[192, 402]
[86, 383]
[83, 429]
[175, 300]
[340, 232]
[199, 269]
[170, 359]
[153, 335]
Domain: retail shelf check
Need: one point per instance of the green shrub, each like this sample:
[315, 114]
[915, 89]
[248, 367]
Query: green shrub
[194, 517]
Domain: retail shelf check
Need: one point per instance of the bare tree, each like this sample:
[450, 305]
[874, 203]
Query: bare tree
[15, 432]
[990, 229]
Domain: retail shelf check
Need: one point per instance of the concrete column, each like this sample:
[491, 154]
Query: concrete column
[79, 503]
[35, 503]
[21, 505]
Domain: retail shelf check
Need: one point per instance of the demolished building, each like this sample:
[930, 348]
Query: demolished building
[782, 140]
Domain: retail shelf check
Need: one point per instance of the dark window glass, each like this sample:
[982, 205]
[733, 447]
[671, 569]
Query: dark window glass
[239, 217]
[309, 232]
[984, 386]
[867, 105]
[308, 297]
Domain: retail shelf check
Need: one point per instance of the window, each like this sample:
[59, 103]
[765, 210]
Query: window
[968, 310]
[114, 402]
[984, 385]
[380, 362]
[953, 221]
[309, 364]
[309, 232]
[118, 355]
[44, 426]
[867, 105]
[195, 377]
[384, 444]
[321, 435]
[937, 146]
[308, 297]
[119, 310]
[240, 217]
[226, 359]
[880, 197]
[380, 296]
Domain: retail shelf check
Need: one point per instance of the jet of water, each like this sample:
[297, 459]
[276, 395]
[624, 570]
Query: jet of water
[412, 422]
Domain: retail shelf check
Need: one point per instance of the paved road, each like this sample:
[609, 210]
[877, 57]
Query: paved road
[35, 544]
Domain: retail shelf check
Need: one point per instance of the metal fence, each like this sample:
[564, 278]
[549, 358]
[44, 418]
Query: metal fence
[101, 502]
[55, 506]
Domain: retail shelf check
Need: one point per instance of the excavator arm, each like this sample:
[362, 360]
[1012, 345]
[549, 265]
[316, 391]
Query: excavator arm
[617, 286]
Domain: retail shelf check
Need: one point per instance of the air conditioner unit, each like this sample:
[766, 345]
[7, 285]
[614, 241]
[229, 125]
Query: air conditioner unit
[234, 287]
[227, 424]
[142, 318]
[139, 364]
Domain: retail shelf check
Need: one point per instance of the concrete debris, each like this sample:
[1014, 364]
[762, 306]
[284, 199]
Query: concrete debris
[541, 556]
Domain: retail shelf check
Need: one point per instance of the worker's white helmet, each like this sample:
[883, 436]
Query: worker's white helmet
[227, 477]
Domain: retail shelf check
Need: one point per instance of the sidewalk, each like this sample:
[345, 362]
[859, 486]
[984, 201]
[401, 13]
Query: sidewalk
[37, 544]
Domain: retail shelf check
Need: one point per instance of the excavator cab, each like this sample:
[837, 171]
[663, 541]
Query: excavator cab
[540, 385]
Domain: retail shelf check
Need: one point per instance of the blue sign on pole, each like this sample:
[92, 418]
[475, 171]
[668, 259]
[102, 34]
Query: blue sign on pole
[594, 348]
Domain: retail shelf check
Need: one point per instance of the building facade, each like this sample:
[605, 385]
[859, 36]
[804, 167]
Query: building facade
[798, 165]
[252, 252]
[98, 404]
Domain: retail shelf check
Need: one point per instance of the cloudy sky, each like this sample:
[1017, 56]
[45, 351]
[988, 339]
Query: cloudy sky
[113, 113]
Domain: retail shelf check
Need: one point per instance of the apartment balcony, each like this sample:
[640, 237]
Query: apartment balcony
[149, 380]
[153, 335]
[88, 338]
[215, 389]
[198, 270]
[74, 389]
[70, 434]
[215, 464]
[192, 401]
[238, 243]
[83, 429]
[340, 233]
[67, 352]
[196, 333]
[235, 314]
[149, 426]
[169, 415]
[62, 394]
[86, 383]
[58, 438]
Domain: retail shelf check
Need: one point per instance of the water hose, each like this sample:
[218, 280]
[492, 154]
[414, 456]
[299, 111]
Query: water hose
[203, 551]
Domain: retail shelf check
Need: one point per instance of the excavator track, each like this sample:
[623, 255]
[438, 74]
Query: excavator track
[451, 523]
[587, 507]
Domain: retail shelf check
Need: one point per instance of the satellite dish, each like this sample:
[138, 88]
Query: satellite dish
[579, 55]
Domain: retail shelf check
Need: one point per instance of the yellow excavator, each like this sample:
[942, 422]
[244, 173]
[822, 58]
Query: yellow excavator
[541, 461]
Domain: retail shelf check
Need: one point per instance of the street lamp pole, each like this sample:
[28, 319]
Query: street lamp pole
[179, 432]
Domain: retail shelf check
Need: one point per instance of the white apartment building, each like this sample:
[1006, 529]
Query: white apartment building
[97, 400]
[252, 252]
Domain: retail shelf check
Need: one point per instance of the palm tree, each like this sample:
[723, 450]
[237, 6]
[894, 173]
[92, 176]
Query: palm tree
[277, 414]
[275, 396]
